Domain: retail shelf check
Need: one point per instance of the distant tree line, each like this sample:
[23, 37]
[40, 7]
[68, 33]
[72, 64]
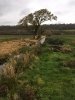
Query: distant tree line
[60, 26]
[14, 30]
[54, 28]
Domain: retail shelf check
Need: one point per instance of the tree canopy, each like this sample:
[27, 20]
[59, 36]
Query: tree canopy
[37, 18]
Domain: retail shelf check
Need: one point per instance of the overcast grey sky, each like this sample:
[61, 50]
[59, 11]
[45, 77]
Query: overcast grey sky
[13, 10]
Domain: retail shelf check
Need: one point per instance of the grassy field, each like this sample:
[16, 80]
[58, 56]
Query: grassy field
[50, 76]
[13, 37]
[10, 37]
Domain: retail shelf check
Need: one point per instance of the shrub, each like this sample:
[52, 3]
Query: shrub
[48, 33]
[3, 59]
[54, 41]
[3, 90]
[27, 93]
[9, 79]
[23, 61]
[37, 49]
[8, 71]
[55, 48]
[70, 63]
[66, 48]
[72, 42]
[27, 58]
[24, 49]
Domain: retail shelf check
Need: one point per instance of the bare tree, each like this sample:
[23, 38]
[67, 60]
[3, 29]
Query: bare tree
[37, 18]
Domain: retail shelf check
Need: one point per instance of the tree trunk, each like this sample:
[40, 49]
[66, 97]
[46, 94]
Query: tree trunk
[36, 28]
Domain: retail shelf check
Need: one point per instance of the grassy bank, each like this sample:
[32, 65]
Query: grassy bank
[43, 73]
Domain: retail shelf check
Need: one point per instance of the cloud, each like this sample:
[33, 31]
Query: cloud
[72, 3]
[13, 10]
[6, 7]
[25, 11]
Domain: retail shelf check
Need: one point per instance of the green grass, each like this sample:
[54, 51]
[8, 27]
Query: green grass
[51, 79]
[12, 37]
[66, 38]
[59, 82]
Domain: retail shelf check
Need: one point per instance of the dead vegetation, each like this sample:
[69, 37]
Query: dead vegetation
[9, 47]
[66, 48]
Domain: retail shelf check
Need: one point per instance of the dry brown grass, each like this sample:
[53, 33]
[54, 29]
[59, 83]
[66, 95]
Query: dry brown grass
[66, 48]
[8, 71]
[69, 63]
[27, 58]
[72, 42]
[11, 46]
